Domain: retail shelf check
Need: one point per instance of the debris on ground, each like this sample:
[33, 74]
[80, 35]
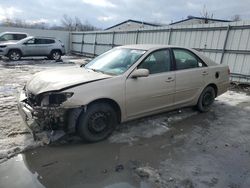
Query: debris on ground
[119, 168]
[150, 174]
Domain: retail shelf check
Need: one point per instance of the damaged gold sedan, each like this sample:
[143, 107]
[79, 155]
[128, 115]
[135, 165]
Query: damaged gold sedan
[123, 84]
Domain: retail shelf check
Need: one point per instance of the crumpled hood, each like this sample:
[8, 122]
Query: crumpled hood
[57, 79]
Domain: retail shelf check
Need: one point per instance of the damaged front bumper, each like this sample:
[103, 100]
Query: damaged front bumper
[26, 112]
[38, 118]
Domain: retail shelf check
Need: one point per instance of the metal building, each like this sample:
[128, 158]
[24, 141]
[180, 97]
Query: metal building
[132, 25]
[192, 20]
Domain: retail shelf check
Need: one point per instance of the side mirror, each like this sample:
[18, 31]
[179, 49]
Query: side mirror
[140, 73]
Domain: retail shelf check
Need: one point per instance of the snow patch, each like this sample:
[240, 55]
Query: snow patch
[148, 127]
[233, 98]
[150, 174]
[11, 146]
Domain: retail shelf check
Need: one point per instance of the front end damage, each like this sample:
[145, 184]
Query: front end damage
[44, 112]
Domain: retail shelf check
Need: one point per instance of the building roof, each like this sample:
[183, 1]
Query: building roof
[200, 18]
[135, 21]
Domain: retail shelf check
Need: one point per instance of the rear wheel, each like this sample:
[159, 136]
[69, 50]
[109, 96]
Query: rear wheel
[14, 55]
[97, 123]
[206, 99]
[55, 55]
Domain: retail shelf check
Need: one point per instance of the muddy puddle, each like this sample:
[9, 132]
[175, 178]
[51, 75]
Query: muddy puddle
[203, 150]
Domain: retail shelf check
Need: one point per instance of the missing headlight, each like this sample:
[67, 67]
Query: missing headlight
[55, 99]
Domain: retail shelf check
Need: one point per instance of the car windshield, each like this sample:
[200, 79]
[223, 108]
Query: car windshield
[116, 61]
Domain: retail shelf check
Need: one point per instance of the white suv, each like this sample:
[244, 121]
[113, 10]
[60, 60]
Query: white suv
[33, 46]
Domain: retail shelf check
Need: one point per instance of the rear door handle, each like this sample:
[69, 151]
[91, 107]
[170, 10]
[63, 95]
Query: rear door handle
[170, 79]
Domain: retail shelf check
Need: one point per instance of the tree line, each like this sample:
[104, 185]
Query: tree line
[67, 23]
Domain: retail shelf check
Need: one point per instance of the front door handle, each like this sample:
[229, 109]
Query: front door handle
[170, 79]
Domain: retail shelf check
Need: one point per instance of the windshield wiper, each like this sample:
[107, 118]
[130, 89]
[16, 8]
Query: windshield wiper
[96, 70]
[100, 71]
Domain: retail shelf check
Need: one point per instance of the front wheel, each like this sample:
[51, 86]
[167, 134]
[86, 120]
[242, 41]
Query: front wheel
[14, 55]
[206, 99]
[97, 123]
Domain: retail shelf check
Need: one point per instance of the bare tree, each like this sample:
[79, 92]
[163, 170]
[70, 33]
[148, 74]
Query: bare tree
[21, 23]
[206, 15]
[236, 18]
[76, 24]
[67, 22]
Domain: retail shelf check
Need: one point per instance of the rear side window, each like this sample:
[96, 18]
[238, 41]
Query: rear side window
[45, 41]
[49, 41]
[185, 59]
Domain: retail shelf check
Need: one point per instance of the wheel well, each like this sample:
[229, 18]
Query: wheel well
[16, 50]
[215, 88]
[112, 103]
[56, 50]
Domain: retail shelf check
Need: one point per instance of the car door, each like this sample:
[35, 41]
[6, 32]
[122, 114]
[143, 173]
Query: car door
[29, 47]
[146, 95]
[44, 46]
[191, 74]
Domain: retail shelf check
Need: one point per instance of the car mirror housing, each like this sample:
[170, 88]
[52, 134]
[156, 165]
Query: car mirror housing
[140, 73]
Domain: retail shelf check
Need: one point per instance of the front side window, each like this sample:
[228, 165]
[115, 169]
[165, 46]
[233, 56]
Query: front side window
[185, 59]
[157, 62]
[31, 41]
[116, 61]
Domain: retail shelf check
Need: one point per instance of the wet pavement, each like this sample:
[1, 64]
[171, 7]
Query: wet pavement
[183, 148]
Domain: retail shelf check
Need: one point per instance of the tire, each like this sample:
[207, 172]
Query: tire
[55, 55]
[97, 123]
[14, 55]
[206, 99]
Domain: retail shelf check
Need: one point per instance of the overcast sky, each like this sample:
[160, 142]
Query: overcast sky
[105, 13]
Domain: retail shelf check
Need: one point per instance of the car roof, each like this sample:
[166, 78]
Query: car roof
[37, 37]
[40, 37]
[146, 46]
[152, 46]
[13, 33]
